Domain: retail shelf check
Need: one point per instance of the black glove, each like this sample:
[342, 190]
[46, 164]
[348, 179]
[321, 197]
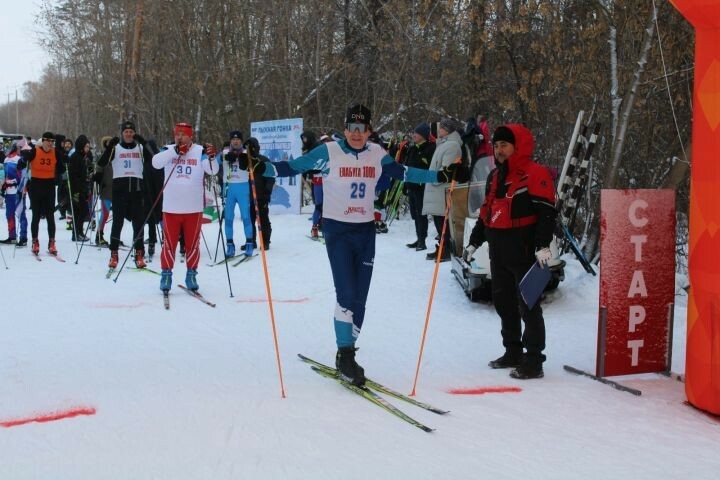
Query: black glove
[447, 173]
[139, 139]
[113, 141]
[76, 197]
[243, 162]
[232, 157]
[98, 178]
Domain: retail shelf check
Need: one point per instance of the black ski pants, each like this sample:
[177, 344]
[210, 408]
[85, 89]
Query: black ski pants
[511, 308]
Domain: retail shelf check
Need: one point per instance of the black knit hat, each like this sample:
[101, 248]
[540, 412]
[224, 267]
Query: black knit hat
[503, 134]
[236, 134]
[358, 114]
[253, 145]
[127, 125]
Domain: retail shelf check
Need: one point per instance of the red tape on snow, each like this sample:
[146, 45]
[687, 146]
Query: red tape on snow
[49, 417]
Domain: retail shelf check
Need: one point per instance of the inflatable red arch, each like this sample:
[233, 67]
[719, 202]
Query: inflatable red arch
[702, 367]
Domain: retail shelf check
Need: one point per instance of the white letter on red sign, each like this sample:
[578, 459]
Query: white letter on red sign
[635, 345]
[638, 240]
[637, 285]
[632, 213]
[636, 316]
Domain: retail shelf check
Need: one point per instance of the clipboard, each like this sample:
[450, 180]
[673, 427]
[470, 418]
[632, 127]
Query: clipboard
[533, 284]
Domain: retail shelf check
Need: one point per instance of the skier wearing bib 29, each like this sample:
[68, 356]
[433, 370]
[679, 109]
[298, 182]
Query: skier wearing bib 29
[352, 168]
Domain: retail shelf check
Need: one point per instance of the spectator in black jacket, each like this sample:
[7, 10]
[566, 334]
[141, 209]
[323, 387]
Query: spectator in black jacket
[263, 190]
[78, 165]
[418, 155]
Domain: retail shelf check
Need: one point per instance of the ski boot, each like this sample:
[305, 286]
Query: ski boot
[165, 280]
[51, 247]
[36, 246]
[191, 280]
[249, 248]
[113, 263]
[140, 258]
[100, 240]
[314, 231]
[348, 368]
[230, 252]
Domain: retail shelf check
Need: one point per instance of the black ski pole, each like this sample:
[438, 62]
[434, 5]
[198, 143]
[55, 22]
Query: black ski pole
[221, 236]
[86, 229]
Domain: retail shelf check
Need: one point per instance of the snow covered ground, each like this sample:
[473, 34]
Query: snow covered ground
[194, 392]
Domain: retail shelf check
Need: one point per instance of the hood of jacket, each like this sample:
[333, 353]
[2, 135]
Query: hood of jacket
[524, 146]
[80, 143]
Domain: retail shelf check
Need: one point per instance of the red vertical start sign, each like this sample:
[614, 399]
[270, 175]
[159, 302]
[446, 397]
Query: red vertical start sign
[637, 281]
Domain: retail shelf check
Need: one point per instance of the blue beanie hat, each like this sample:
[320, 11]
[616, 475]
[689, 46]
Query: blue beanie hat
[423, 130]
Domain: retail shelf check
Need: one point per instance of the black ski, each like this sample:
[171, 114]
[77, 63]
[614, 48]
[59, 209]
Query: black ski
[244, 258]
[109, 272]
[317, 239]
[166, 299]
[376, 386]
[197, 295]
[224, 260]
[373, 397]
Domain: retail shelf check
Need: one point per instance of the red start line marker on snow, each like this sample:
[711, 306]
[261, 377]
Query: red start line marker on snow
[49, 417]
[483, 390]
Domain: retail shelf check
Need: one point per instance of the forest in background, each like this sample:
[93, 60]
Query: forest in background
[220, 64]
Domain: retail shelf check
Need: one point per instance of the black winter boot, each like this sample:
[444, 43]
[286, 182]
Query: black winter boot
[508, 360]
[348, 368]
[527, 371]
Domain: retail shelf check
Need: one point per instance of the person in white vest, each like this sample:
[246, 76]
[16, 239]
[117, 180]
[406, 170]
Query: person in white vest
[185, 164]
[353, 169]
[237, 193]
[128, 157]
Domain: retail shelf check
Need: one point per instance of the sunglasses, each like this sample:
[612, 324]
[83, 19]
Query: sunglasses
[359, 127]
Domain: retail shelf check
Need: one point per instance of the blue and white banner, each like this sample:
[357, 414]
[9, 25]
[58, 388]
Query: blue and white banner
[280, 140]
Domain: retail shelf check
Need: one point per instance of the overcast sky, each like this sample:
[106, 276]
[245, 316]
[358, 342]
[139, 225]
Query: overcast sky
[23, 59]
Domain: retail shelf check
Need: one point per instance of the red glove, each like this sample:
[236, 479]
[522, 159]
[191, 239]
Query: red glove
[210, 150]
[182, 149]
